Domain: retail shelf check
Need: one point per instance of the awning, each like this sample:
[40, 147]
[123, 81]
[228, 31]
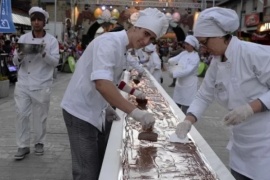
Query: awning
[19, 19]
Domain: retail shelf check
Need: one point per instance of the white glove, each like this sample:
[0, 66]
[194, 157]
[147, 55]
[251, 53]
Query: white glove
[146, 119]
[126, 88]
[111, 115]
[183, 128]
[139, 94]
[238, 115]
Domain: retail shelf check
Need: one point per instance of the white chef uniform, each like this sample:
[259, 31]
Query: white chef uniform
[35, 78]
[81, 98]
[243, 78]
[186, 73]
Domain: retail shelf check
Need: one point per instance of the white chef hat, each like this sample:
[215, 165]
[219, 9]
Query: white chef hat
[153, 20]
[150, 48]
[215, 22]
[40, 10]
[133, 18]
[192, 41]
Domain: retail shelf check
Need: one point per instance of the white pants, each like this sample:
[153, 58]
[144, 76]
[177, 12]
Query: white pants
[35, 103]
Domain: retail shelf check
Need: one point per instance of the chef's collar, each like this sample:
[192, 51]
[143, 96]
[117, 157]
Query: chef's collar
[42, 36]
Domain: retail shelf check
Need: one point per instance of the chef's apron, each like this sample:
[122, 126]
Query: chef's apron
[249, 144]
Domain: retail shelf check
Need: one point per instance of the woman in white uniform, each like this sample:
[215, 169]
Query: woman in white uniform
[186, 73]
[238, 78]
[92, 90]
[154, 63]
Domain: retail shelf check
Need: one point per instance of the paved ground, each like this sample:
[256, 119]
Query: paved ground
[55, 164]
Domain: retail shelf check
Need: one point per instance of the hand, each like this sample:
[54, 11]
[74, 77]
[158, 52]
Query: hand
[238, 115]
[146, 119]
[111, 114]
[183, 128]
[139, 94]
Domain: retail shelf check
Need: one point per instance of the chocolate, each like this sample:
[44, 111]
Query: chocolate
[159, 158]
[136, 81]
[141, 103]
[148, 136]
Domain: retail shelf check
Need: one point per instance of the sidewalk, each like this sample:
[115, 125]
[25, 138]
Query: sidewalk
[55, 164]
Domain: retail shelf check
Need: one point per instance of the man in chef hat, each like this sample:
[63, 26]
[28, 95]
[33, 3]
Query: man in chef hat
[239, 79]
[33, 88]
[92, 90]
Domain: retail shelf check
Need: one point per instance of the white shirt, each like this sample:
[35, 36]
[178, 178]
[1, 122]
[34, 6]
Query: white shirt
[244, 77]
[186, 73]
[34, 71]
[104, 58]
[154, 66]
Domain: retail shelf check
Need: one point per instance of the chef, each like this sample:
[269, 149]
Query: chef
[186, 73]
[238, 78]
[154, 63]
[92, 90]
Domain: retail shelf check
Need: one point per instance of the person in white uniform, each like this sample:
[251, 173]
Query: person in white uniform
[186, 73]
[92, 89]
[154, 63]
[238, 78]
[35, 78]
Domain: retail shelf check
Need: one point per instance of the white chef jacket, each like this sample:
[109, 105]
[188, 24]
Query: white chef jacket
[154, 66]
[186, 73]
[34, 71]
[244, 77]
[133, 62]
[143, 56]
[104, 58]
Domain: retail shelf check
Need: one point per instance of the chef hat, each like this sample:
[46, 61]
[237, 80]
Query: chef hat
[153, 20]
[40, 10]
[215, 22]
[150, 48]
[192, 41]
[133, 18]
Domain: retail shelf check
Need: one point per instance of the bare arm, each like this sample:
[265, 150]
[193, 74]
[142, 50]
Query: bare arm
[112, 95]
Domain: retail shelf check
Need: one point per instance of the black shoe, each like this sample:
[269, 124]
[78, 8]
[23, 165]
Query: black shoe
[161, 80]
[22, 152]
[39, 149]
[172, 85]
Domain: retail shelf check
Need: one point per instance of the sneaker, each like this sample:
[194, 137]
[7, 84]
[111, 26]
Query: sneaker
[39, 149]
[22, 152]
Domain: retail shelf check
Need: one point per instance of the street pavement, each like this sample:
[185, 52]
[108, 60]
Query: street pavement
[55, 164]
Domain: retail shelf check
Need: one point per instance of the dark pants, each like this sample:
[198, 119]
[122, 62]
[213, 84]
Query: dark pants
[239, 176]
[87, 145]
[183, 108]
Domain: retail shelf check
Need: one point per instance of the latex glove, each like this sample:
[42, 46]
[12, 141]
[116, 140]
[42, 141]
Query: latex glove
[139, 94]
[146, 119]
[183, 128]
[111, 114]
[238, 115]
[126, 88]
